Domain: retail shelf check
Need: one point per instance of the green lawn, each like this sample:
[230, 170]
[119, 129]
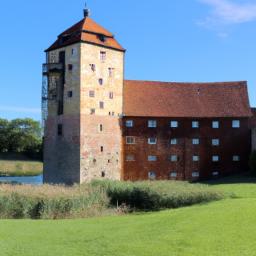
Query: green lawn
[20, 168]
[226, 227]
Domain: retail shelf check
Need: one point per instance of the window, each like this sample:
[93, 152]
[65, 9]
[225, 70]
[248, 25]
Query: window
[70, 67]
[152, 175]
[195, 174]
[215, 142]
[174, 124]
[130, 158]
[103, 174]
[60, 130]
[215, 173]
[100, 127]
[70, 94]
[102, 38]
[173, 174]
[173, 141]
[152, 123]
[195, 158]
[92, 111]
[215, 158]
[92, 94]
[195, 124]
[101, 105]
[100, 81]
[195, 141]
[129, 123]
[152, 141]
[130, 140]
[93, 67]
[111, 95]
[215, 124]
[101, 149]
[103, 56]
[74, 51]
[173, 158]
[235, 124]
[236, 158]
[152, 158]
[111, 72]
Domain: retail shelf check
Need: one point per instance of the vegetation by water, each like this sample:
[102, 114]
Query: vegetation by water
[99, 198]
[226, 227]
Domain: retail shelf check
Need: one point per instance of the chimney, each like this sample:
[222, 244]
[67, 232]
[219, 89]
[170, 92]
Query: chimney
[86, 13]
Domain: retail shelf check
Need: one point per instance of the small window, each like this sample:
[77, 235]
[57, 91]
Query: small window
[103, 56]
[152, 141]
[100, 127]
[70, 94]
[152, 158]
[173, 174]
[70, 67]
[113, 113]
[129, 123]
[174, 124]
[152, 123]
[195, 158]
[92, 111]
[60, 129]
[93, 67]
[103, 174]
[74, 51]
[100, 81]
[215, 142]
[130, 158]
[130, 140]
[91, 94]
[111, 72]
[152, 175]
[111, 95]
[101, 149]
[236, 158]
[102, 38]
[215, 173]
[195, 141]
[173, 141]
[235, 124]
[195, 174]
[173, 158]
[195, 124]
[101, 105]
[215, 124]
[215, 158]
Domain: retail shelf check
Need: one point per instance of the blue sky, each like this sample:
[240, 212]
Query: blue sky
[177, 40]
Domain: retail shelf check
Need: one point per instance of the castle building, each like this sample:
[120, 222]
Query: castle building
[98, 125]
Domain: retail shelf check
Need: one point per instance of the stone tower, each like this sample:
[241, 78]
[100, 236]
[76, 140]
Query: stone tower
[83, 105]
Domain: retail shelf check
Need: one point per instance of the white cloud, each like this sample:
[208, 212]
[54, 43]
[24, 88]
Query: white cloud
[20, 109]
[227, 12]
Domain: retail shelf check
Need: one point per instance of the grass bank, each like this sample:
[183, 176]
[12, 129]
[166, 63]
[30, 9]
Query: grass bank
[226, 227]
[20, 168]
[99, 198]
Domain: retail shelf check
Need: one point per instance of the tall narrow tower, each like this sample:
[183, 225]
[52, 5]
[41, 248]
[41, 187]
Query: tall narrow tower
[83, 104]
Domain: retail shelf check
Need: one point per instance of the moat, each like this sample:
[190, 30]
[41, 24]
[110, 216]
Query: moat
[32, 180]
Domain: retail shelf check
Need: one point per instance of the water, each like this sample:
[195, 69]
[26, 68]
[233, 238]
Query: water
[32, 180]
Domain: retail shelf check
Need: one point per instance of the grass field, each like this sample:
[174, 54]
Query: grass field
[20, 168]
[226, 227]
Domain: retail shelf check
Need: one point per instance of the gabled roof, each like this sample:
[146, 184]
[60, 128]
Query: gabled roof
[200, 100]
[86, 30]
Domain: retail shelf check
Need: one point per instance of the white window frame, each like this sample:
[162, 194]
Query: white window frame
[152, 123]
[215, 142]
[130, 143]
[235, 124]
[195, 141]
[215, 158]
[129, 123]
[174, 124]
[152, 158]
[215, 124]
[195, 124]
[152, 141]
[174, 141]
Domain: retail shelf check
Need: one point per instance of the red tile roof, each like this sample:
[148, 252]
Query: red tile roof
[201, 100]
[87, 31]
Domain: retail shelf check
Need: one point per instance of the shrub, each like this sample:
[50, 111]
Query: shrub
[252, 162]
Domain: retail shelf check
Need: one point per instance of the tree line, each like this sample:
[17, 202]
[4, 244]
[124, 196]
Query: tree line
[21, 136]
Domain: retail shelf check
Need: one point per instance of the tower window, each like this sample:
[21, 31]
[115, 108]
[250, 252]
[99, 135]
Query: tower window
[103, 56]
[111, 72]
[111, 95]
[101, 105]
[102, 38]
[100, 81]
[101, 149]
[100, 127]
[60, 130]
[70, 67]
[93, 67]
[74, 51]
[92, 111]
[70, 94]
[103, 174]
[91, 94]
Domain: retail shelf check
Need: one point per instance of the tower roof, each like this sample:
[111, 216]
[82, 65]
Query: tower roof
[88, 31]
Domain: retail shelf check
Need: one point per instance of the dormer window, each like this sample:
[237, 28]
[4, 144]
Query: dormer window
[102, 38]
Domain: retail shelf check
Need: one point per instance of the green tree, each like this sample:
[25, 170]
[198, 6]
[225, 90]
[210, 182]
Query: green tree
[4, 135]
